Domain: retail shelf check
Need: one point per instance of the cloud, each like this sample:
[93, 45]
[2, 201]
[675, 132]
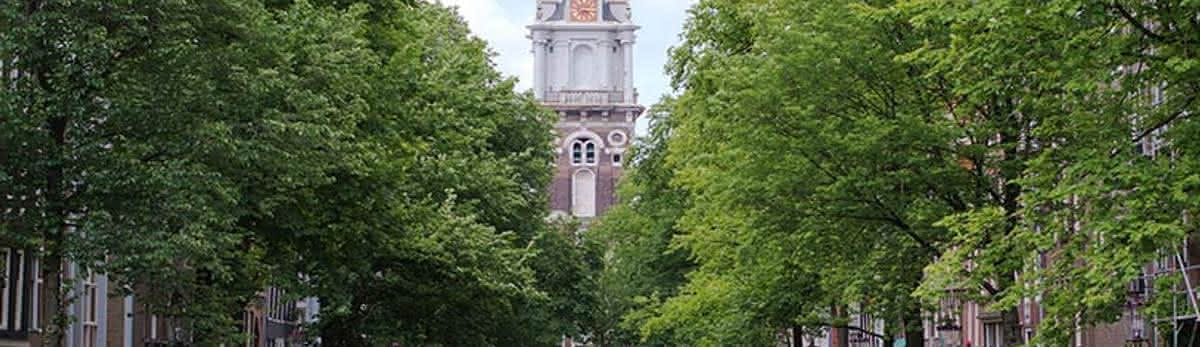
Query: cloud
[504, 30]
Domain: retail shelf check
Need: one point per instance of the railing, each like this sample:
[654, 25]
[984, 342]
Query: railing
[586, 97]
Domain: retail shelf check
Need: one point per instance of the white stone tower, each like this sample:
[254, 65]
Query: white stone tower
[583, 69]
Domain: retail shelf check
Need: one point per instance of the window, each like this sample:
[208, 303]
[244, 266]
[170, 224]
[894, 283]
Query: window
[577, 153]
[279, 308]
[12, 284]
[1163, 263]
[591, 152]
[19, 284]
[617, 158]
[90, 305]
[1137, 286]
[35, 311]
[155, 327]
[5, 300]
[1137, 329]
[583, 152]
[992, 336]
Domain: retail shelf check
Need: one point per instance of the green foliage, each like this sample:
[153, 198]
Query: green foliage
[843, 157]
[366, 153]
[822, 159]
[1094, 84]
[801, 145]
[639, 264]
[566, 265]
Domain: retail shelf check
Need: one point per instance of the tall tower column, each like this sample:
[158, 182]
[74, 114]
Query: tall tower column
[539, 59]
[627, 50]
[605, 53]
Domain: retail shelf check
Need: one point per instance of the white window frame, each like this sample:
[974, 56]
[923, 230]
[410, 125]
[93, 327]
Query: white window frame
[589, 152]
[993, 336]
[91, 305]
[577, 153]
[20, 283]
[1137, 326]
[584, 152]
[35, 312]
[5, 300]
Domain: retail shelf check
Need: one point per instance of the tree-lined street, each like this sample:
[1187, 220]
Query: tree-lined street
[835, 173]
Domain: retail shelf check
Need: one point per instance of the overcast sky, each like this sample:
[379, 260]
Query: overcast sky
[502, 23]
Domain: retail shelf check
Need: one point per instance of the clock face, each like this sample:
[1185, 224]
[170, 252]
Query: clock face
[583, 10]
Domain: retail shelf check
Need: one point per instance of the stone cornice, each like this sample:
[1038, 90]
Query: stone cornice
[584, 26]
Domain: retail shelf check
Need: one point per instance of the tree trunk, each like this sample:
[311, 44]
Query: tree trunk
[55, 237]
[914, 331]
[838, 336]
[797, 336]
[843, 337]
[346, 330]
[914, 337]
[54, 314]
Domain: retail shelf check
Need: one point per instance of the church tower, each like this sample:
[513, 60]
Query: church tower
[583, 69]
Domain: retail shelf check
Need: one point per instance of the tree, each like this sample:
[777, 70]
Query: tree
[566, 266]
[640, 266]
[365, 153]
[841, 157]
[1096, 87]
[805, 148]
[110, 133]
[419, 235]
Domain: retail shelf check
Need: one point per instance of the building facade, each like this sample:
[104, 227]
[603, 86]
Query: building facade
[583, 70]
[101, 316]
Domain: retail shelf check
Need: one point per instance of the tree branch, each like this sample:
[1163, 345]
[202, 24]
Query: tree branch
[1182, 111]
[1135, 22]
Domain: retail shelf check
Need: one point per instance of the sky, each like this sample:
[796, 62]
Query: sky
[502, 24]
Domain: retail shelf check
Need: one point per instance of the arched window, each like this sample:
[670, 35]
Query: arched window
[583, 151]
[591, 152]
[577, 153]
[583, 191]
